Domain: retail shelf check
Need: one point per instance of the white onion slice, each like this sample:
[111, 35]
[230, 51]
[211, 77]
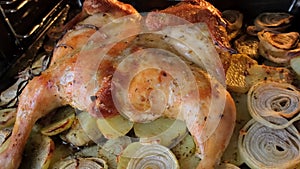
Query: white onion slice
[274, 99]
[273, 21]
[279, 47]
[265, 148]
[234, 20]
[153, 156]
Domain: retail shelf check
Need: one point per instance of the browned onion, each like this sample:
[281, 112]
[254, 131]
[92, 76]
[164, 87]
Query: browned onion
[234, 20]
[265, 148]
[275, 21]
[279, 47]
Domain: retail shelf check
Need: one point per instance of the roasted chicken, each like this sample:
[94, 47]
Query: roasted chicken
[82, 74]
[196, 11]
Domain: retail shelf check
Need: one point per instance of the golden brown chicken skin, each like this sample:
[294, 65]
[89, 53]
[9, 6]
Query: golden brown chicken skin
[197, 11]
[68, 82]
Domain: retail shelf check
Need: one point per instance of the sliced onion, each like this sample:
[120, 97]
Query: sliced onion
[4, 135]
[265, 148]
[276, 100]
[7, 117]
[38, 152]
[275, 21]
[145, 156]
[112, 149]
[279, 47]
[9, 96]
[87, 163]
[234, 20]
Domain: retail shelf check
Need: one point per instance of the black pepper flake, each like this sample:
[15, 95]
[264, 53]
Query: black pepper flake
[281, 71]
[93, 98]
[246, 73]
[164, 73]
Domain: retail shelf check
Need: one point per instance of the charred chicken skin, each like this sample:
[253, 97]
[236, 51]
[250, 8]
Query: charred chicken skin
[58, 86]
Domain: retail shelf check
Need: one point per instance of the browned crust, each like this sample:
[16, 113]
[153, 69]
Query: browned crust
[112, 6]
[201, 11]
[90, 7]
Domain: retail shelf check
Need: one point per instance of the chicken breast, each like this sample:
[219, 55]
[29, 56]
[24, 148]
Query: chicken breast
[195, 11]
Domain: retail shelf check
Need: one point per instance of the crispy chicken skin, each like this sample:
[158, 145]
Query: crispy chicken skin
[197, 11]
[90, 7]
[57, 86]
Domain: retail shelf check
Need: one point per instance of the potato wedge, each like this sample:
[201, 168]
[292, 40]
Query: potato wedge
[295, 64]
[185, 148]
[7, 117]
[76, 135]
[164, 131]
[61, 121]
[112, 149]
[38, 152]
[244, 72]
[114, 127]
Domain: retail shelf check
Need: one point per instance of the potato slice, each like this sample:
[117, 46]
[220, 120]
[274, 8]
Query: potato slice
[295, 64]
[89, 125]
[91, 151]
[231, 154]
[7, 117]
[114, 127]
[185, 148]
[4, 138]
[185, 153]
[190, 162]
[8, 97]
[61, 151]
[261, 72]
[38, 152]
[112, 149]
[4, 135]
[244, 72]
[74, 163]
[76, 135]
[60, 121]
[164, 131]
[236, 73]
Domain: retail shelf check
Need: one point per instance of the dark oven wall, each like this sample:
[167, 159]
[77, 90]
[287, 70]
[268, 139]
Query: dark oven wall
[250, 8]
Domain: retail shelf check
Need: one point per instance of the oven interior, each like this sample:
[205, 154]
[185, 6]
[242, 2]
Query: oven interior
[30, 28]
[25, 25]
